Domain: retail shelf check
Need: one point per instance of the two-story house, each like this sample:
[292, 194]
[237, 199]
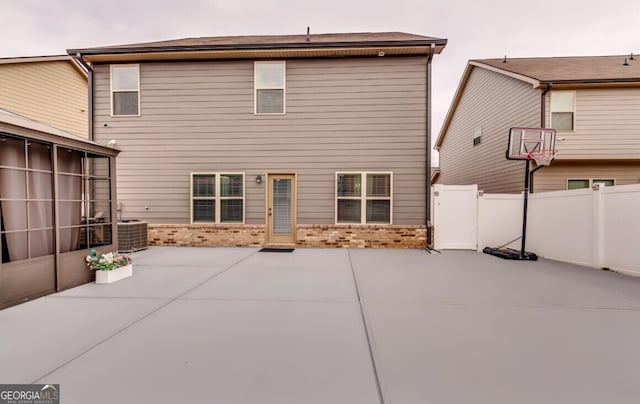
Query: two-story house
[49, 89]
[592, 102]
[309, 140]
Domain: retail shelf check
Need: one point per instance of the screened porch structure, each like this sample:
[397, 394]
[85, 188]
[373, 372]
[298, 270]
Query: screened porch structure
[57, 201]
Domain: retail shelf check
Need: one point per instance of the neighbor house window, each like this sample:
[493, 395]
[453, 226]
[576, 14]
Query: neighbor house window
[477, 136]
[125, 90]
[269, 87]
[588, 183]
[562, 110]
[363, 198]
[217, 198]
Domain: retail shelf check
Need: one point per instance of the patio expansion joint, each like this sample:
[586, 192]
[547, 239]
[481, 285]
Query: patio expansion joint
[367, 331]
[126, 327]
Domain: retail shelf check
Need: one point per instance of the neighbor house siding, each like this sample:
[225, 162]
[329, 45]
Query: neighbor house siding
[360, 114]
[554, 178]
[607, 125]
[53, 92]
[494, 103]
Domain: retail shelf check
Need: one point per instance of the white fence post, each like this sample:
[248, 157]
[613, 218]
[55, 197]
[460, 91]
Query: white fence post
[598, 226]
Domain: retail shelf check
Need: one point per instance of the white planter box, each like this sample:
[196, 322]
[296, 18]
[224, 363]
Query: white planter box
[115, 275]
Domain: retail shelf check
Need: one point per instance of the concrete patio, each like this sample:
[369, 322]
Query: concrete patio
[233, 325]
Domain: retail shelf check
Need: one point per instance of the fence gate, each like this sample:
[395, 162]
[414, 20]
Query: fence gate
[455, 211]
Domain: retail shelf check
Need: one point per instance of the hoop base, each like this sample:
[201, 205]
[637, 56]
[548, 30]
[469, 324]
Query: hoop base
[510, 254]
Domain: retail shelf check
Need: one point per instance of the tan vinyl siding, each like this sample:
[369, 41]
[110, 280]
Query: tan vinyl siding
[495, 103]
[554, 177]
[361, 114]
[607, 125]
[51, 92]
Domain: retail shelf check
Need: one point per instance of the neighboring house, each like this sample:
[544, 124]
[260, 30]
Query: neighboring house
[592, 102]
[317, 140]
[56, 202]
[49, 89]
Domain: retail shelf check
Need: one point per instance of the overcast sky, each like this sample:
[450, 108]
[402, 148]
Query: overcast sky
[475, 29]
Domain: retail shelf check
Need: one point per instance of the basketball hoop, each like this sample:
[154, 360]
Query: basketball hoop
[543, 157]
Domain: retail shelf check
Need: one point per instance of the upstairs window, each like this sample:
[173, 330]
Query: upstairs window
[562, 110]
[217, 198]
[363, 198]
[269, 87]
[125, 90]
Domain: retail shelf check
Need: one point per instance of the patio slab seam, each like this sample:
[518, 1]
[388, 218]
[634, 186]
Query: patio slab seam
[102, 341]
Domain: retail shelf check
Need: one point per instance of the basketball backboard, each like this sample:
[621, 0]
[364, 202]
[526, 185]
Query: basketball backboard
[525, 142]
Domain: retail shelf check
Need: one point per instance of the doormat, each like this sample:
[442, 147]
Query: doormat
[276, 249]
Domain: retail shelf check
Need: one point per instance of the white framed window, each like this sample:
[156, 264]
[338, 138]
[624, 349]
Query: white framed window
[125, 90]
[588, 182]
[217, 197]
[477, 136]
[269, 84]
[364, 197]
[563, 110]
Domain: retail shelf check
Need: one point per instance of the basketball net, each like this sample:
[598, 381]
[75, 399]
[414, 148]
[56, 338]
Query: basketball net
[542, 157]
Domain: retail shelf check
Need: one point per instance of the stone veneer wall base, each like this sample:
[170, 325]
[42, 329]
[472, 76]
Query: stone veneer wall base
[249, 235]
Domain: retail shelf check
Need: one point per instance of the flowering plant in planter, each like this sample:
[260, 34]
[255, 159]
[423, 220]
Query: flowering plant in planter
[106, 262]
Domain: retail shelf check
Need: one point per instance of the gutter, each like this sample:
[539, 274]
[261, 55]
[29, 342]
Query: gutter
[429, 241]
[80, 60]
[147, 49]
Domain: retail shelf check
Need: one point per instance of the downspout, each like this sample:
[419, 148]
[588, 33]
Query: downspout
[542, 125]
[429, 241]
[90, 98]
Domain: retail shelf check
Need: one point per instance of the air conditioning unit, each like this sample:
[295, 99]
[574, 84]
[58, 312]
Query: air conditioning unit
[132, 235]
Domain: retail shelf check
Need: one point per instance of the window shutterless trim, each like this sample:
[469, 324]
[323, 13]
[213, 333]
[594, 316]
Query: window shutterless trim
[283, 88]
[573, 111]
[363, 196]
[217, 198]
[127, 90]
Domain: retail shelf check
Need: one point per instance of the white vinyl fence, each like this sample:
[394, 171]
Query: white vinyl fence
[597, 227]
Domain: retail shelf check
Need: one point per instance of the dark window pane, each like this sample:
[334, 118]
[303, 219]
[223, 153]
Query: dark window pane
[204, 211]
[70, 161]
[99, 212]
[577, 184]
[349, 184]
[11, 152]
[99, 235]
[14, 247]
[270, 102]
[73, 239]
[378, 185]
[231, 210]
[607, 183]
[562, 121]
[204, 185]
[13, 184]
[39, 156]
[70, 213]
[349, 211]
[41, 243]
[125, 103]
[230, 185]
[378, 211]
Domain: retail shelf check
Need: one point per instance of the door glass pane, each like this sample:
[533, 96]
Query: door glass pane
[14, 247]
[349, 210]
[378, 211]
[13, 184]
[577, 184]
[99, 235]
[281, 206]
[72, 239]
[40, 214]
[11, 152]
[349, 184]
[14, 215]
[40, 186]
[231, 210]
[39, 156]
